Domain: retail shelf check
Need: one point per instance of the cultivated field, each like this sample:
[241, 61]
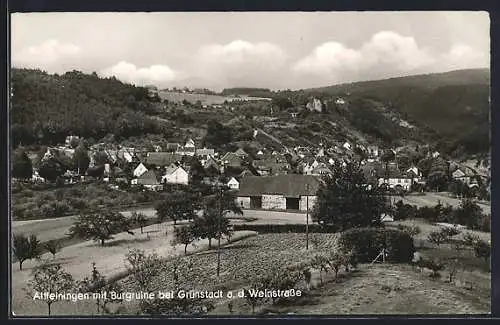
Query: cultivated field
[388, 289]
[77, 260]
[370, 289]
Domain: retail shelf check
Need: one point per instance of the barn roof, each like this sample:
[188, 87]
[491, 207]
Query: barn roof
[161, 159]
[291, 185]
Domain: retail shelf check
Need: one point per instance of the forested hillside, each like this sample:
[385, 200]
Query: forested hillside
[454, 104]
[46, 108]
[448, 111]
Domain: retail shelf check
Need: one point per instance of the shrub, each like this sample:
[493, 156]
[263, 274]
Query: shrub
[449, 232]
[470, 239]
[367, 244]
[412, 231]
[55, 209]
[482, 249]
[434, 265]
[52, 246]
[484, 223]
[78, 204]
[437, 237]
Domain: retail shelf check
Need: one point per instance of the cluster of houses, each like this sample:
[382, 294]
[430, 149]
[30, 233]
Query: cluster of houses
[264, 180]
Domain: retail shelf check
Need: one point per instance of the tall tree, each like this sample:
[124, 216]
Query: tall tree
[177, 205]
[25, 248]
[21, 165]
[196, 171]
[51, 169]
[185, 235]
[214, 222]
[217, 134]
[100, 227]
[468, 214]
[50, 279]
[81, 158]
[345, 201]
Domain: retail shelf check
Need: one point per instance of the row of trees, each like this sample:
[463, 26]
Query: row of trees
[468, 214]
[207, 217]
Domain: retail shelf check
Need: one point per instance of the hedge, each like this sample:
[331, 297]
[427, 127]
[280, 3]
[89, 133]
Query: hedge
[284, 228]
[369, 242]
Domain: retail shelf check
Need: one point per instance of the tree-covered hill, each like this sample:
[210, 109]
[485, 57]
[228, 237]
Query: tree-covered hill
[46, 108]
[447, 110]
[454, 104]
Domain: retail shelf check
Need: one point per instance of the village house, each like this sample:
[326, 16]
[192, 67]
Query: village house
[188, 149]
[320, 170]
[125, 154]
[204, 153]
[139, 170]
[283, 192]
[172, 147]
[315, 105]
[213, 163]
[161, 159]
[149, 180]
[175, 175]
[71, 139]
[271, 165]
[233, 184]
[393, 178]
[339, 101]
[464, 175]
[373, 151]
[347, 146]
[241, 153]
[36, 178]
[231, 159]
[414, 173]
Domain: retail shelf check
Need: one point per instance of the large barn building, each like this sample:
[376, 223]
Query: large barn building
[282, 192]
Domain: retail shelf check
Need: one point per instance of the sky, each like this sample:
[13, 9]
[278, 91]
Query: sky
[277, 50]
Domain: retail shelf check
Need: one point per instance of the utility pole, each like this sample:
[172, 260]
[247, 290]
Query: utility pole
[307, 216]
[219, 192]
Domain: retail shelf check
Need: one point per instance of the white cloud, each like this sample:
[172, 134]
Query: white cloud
[386, 50]
[391, 49]
[463, 56]
[329, 57]
[239, 62]
[128, 72]
[241, 52]
[47, 53]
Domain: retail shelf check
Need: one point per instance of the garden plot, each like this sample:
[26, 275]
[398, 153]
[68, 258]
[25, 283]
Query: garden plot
[77, 259]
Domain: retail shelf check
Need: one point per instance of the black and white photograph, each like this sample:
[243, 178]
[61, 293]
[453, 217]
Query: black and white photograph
[250, 164]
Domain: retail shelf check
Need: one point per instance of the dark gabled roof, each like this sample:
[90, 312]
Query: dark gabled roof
[231, 157]
[240, 152]
[148, 178]
[290, 185]
[161, 159]
[245, 173]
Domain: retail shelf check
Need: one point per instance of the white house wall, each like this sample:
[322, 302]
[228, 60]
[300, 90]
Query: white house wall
[178, 177]
[303, 203]
[244, 202]
[273, 202]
